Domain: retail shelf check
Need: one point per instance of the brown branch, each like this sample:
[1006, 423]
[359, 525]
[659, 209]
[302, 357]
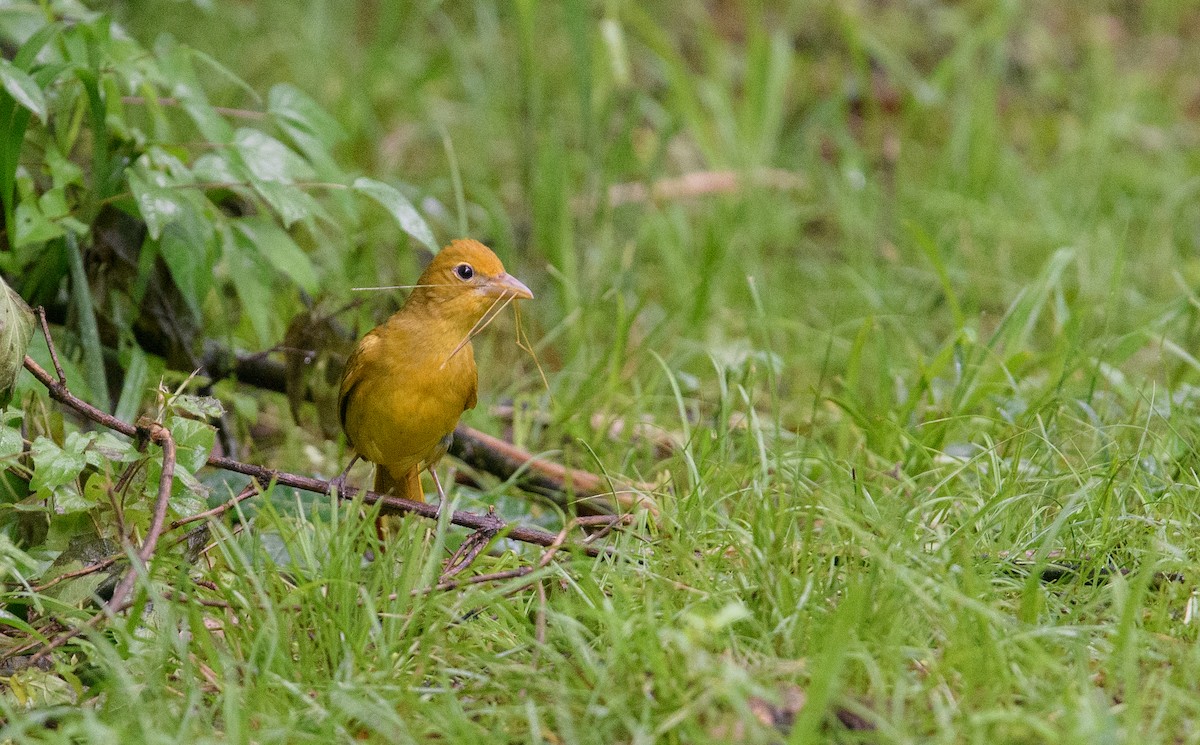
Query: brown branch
[70, 634]
[478, 579]
[252, 489]
[58, 391]
[161, 436]
[62, 376]
[468, 552]
[464, 519]
[99, 566]
[594, 495]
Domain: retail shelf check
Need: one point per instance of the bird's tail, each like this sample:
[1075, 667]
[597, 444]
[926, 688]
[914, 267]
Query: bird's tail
[407, 486]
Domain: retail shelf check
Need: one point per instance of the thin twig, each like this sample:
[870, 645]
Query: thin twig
[99, 566]
[70, 634]
[539, 624]
[62, 377]
[252, 489]
[162, 437]
[469, 550]
[476, 580]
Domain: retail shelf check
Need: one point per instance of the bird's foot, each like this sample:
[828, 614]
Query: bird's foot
[338, 483]
[441, 492]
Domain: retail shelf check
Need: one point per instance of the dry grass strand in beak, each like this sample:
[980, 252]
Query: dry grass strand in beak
[482, 323]
[528, 347]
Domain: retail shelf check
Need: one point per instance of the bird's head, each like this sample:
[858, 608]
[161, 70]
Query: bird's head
[466, 280]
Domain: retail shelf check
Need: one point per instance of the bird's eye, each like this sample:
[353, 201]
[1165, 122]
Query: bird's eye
[464, 271]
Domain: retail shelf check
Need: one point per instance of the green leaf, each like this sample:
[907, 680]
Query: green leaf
[23, 89]
[194, 441]
[295, 111]
[158, 207]
[134, 385]
[278, 248]
[176, 65]
[291, 203]
[31, 46]
[206, 407]
[214, 168]
[249, 273]
[89, 330]
[226, 73]
[11, 443]
[16, 329]
[55, 467]
[269, 159]
[32, 227]
[107, 447]
[190, 264]
[402, 210]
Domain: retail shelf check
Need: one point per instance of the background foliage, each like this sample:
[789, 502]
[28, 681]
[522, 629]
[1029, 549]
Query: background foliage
[945, 318]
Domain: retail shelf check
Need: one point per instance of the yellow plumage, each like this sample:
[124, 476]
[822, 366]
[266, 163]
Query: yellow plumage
[409, 380]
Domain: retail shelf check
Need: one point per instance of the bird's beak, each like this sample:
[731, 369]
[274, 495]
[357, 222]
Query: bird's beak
[503, 285]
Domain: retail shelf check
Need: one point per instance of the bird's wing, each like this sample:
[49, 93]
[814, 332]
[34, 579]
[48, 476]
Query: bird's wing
[472, 395]
[352, 375]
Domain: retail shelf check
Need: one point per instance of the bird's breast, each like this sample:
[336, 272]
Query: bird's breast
[408, 397]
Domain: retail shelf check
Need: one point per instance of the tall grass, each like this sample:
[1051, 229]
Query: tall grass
[960, 355]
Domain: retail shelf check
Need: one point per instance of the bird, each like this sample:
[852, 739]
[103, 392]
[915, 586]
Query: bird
[408, 380]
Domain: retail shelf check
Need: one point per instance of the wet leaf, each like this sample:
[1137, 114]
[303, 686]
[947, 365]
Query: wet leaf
[295, 110]
[269, 159]
[205, 407]
[280, 251]
[23, 88]
[16, 329]
[401, 209]
[194, 441]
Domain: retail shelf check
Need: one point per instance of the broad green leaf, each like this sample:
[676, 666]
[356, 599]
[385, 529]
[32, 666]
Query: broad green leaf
[269, 159]
[108, 447]
[32, 227]
[190, 494]
[316, 150]
[16, 329]
[23, 89]
[176, 67]
[278, 248]
[194, 441]
[206, 407]
[28, 52]
[10, 442]
[159, 207]
[226, 73]
[134, 386]
[54, 467]
[89, 330]
[63, 171]
[214, 168]
[291, 203]
[295, 110]
[249, 273]
[401, 209]
[190, 263]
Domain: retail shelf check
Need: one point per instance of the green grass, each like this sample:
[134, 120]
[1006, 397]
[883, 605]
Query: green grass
[971, 334]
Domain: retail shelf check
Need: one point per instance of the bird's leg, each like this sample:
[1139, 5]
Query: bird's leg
[339, 483]
[441, 493]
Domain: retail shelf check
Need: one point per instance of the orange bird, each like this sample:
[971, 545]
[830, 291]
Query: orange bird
[409, 380]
